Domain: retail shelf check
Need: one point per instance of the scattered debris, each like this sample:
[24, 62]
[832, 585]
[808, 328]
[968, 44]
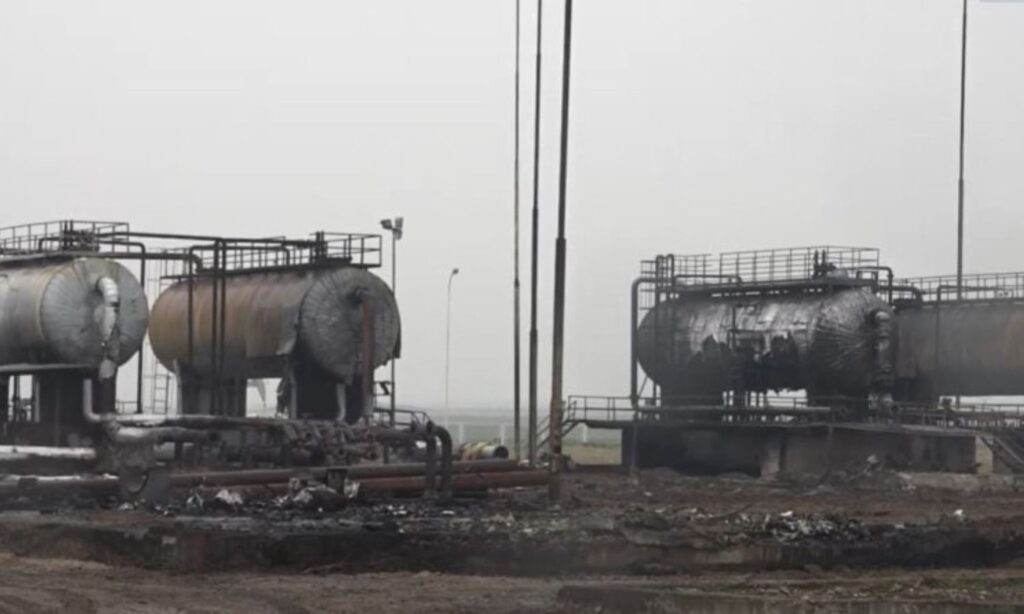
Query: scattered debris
[228, 499]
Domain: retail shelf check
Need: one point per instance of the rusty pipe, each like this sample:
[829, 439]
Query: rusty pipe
[446, 460]
[19, 485]
[357, 472]
[430, 467]
[462, 481]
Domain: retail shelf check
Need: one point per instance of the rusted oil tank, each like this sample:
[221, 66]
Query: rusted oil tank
[968, 349]
[82, 311]
[310, 317]
[830, 344]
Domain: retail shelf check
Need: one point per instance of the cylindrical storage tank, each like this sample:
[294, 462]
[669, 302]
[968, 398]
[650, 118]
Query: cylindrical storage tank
[79, 311]
[314, 316]
[828, 344]
[967, 349]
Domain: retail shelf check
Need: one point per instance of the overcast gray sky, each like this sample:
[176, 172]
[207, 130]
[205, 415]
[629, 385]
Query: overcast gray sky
[696, 127]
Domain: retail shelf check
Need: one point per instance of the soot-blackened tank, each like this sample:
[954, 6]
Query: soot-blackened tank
[974, 348]
[87, 312]
[835, 343]
[278, 319]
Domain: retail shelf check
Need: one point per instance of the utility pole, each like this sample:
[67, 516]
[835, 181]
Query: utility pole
[558, 337]
[532, 435]
[517, 327]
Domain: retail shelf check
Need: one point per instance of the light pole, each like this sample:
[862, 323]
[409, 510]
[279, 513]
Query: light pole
[448, 342]
[960, 179]
[516, 309]
[394, 226]
[963, 115]
[531, 434]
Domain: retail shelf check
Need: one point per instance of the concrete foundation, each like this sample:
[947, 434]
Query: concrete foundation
[805, 450]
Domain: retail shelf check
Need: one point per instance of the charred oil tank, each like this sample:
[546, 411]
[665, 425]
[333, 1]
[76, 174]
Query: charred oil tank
[833, 343]
[276, 320]
[968, 349]
[87, 312]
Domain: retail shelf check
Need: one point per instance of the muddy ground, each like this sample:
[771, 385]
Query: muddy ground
[662, 542]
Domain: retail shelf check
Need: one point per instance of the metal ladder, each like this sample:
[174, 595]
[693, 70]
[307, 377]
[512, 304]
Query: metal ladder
[161, 381]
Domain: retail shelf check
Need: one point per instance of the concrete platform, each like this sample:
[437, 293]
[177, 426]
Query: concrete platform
[806, 449]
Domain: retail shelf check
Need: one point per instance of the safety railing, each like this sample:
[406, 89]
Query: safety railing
[796, 263]
[362, 250]
[975, 287]
[782, 409]
[764, 266]
[54, 236]
[404, 418]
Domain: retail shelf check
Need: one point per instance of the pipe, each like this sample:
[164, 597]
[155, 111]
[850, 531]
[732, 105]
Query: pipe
[131, 435]
[302, 243]
[369, 345]
[139, 378]
[446, 459]
[463, 481]
[87, 409]
[882, 379]
[23, 453]
[430, 467]
[481, 450]
[917, 292]
[634, 344]
[42, 485]
[357, 472]
[469, 475]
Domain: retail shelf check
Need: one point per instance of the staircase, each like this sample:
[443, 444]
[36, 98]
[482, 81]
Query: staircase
[1008, 446]
[570, 419]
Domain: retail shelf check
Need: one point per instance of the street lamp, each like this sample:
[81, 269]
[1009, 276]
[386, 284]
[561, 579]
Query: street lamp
[960, 180]
[394, 226]
[448, 342]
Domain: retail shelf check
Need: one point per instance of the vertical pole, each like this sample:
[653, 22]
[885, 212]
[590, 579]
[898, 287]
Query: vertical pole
[222, 339]
[369, 344]
[532, 419]
[558, 337]
[140, 376]
[448, 345]
[960, 182]
[517, 327]
[215, 383]
[394, 292]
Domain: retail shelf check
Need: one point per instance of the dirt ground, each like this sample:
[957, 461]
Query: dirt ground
[51, 585]
[659, 510]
